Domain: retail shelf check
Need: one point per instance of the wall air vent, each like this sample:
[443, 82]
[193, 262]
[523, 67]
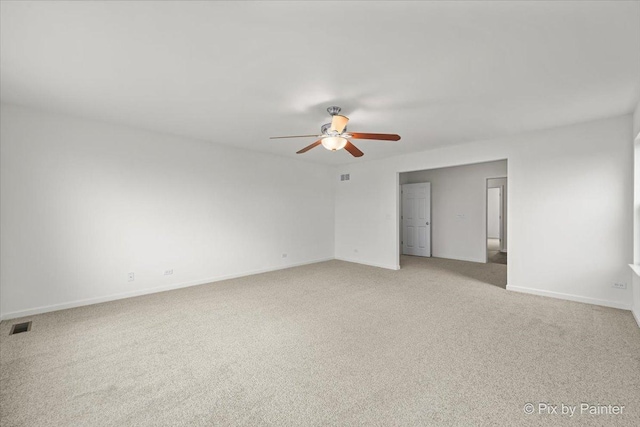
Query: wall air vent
[18, 328]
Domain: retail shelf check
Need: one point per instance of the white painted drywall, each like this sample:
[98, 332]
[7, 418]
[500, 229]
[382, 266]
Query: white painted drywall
[84, 203]
[636, 203]
[636, 121]
[636, 200]
[504, 184]
[493, 213]
[635, 281]
[458, 208]
[570, 207]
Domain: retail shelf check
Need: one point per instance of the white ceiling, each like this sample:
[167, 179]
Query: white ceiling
[436, 73]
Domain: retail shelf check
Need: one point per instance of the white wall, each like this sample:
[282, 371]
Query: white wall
[636, 121]
[636, 207]
[636, 213]
[569, 201]
[493, 213]
[458, 208]
[84, 203]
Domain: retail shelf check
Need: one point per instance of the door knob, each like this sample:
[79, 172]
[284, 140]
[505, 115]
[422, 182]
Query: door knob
[427, 222]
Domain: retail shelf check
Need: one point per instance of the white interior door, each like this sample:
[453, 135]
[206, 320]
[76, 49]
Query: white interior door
[494, 209]
[416, 219]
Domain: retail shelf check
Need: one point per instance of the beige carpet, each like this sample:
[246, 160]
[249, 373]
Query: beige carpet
[326, 344]
[493, 252]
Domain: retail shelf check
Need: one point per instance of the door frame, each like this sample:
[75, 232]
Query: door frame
[503, 211]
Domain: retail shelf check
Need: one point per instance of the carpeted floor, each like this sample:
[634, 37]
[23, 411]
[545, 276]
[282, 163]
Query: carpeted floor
[493, 252]
[437, 343]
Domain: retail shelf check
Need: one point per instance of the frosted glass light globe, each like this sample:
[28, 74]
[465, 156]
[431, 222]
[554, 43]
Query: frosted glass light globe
[334, 143]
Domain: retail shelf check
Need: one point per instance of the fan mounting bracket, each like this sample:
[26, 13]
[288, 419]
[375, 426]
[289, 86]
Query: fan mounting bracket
[333, 110]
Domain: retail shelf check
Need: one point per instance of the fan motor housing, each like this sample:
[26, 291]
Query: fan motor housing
[327, 126]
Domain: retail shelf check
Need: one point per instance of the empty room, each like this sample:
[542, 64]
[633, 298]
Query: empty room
[373, 213]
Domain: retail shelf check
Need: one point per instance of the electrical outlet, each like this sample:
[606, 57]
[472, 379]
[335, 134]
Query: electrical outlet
[132, 277]
[168, 272]
[620, 285]
[284, 255]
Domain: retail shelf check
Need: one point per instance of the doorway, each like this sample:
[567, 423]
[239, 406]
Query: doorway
[497, 220]
[416, 219]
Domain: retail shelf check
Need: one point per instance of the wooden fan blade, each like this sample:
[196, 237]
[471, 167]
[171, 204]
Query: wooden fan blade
[338, 123]
[294, 136]
[309, 147]
[355, 152]
[379, 136]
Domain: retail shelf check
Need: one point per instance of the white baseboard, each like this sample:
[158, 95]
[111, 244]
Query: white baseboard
[636, 314]
[570, 297]
[370, 264]
[114, 297]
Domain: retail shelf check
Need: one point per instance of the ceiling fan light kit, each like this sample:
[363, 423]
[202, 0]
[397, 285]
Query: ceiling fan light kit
[339, 123]
[334, 143]
[334, 135]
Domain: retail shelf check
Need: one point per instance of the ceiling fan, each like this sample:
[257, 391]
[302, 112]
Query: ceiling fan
[334, 136]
